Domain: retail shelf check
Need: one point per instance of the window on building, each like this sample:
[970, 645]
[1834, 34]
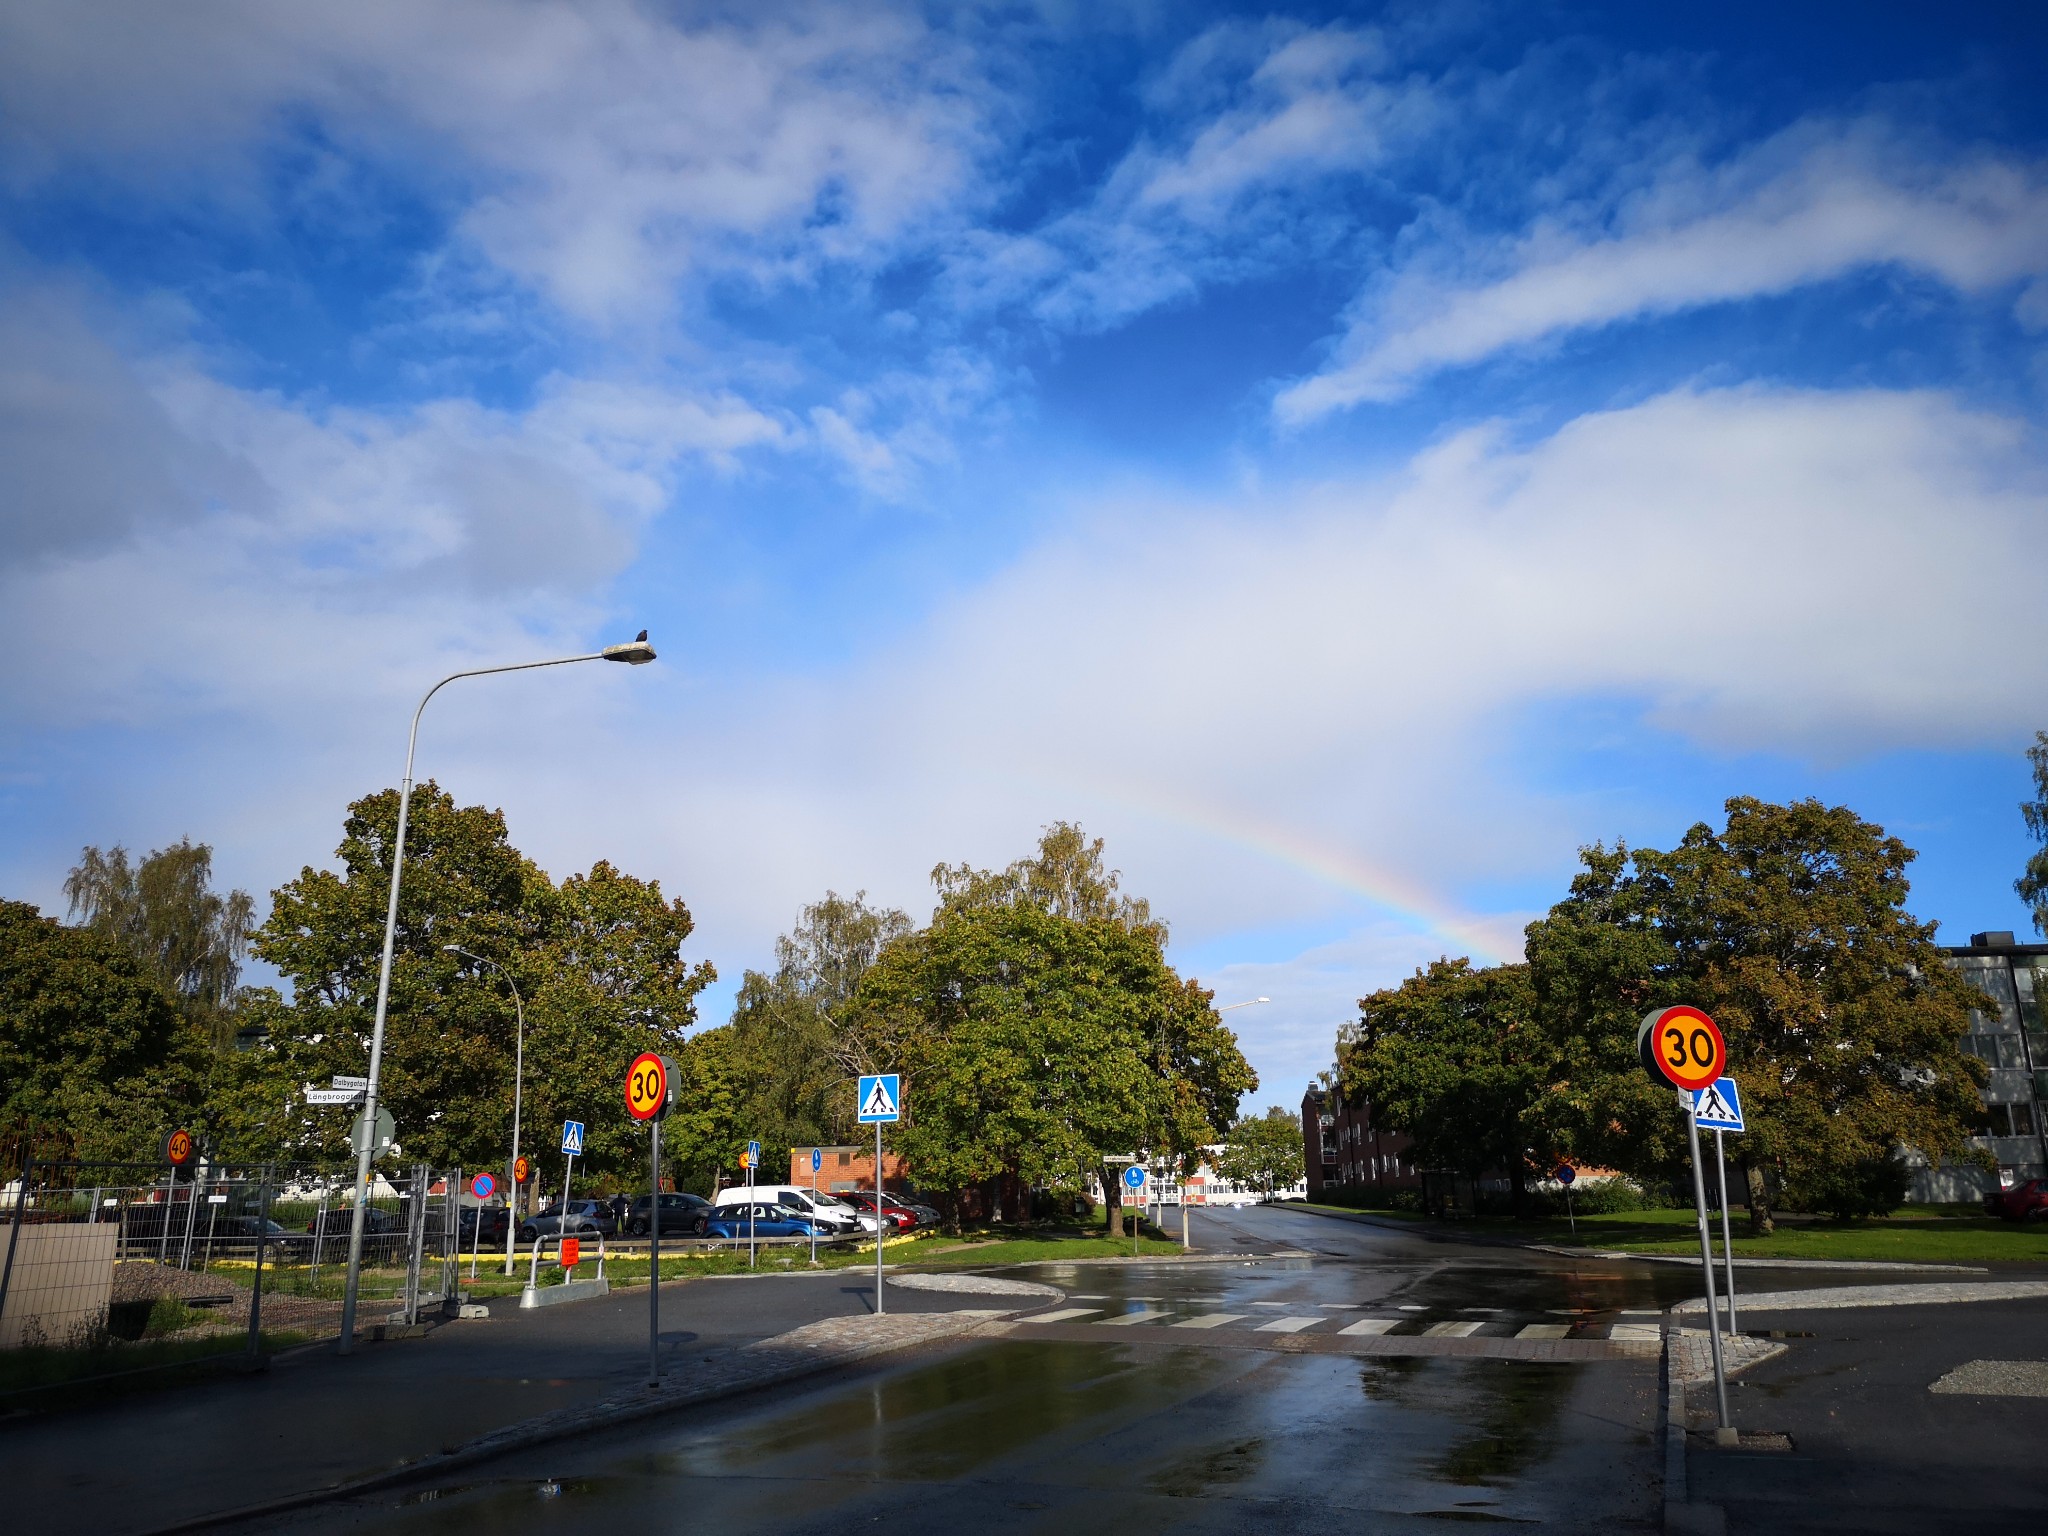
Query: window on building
[845, 1158]
[2022, 1119]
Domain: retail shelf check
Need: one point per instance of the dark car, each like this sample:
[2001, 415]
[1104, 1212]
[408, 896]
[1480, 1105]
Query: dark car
[584, 1216]
[376, 1223]
[2025, 1201]
[242, 1232]
[683, 1215]
[494, 1218]
[761, 1221]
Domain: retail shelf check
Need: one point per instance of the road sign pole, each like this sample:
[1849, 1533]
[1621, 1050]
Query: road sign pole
[654, 1252]
[881, 1218]
[750, 1208]
[1725, 1430]
[814, 1205]
[1727, 1245]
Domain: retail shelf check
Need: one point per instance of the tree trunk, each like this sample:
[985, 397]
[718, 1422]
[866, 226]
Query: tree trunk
[1757, 1195]
[1114, 1214]
[1518, 1173]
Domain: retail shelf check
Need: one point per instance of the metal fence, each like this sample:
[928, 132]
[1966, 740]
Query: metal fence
[97, 1255]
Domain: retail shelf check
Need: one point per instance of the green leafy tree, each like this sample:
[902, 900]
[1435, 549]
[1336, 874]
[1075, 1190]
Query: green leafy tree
[703, 1135]
[2032, 885]
[95, 1054]
[789, 1025]
[1790, 928]
[1264, 1151]
[1451, 1058]
[598, 961]
[1040, 1027]
[165, 912]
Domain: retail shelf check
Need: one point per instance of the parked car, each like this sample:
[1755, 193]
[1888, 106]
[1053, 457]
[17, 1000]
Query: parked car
[585, 1216]
[2025, 1201]
[830, 1211]
[376, 1223]
[901, 1217]
[682, 1215]
[494, 1218]
[761, 1220]
[243, 1231]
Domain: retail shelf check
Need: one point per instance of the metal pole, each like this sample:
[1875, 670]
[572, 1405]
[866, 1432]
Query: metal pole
[1187, 1243]
[256, 1294]
[654, 1252]
[814, 1205]
[1727, 1244]
[1699, 1197]
[191, 1223]
[750, 1210]
[353, 1283]
[881, 1221]
[476, 1243]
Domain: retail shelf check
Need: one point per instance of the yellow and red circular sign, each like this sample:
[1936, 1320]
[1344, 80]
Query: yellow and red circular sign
[522, 1170]
[180, 1148]
[647, 1086]
[1683, 1047]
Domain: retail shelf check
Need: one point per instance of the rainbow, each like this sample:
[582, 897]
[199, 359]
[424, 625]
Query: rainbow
[1462, 932]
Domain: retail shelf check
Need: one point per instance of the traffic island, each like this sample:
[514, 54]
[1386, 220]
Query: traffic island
[568, 1290]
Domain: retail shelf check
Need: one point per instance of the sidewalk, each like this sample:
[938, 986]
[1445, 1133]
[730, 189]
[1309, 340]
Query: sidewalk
[1878, 1422]
[317, 1420]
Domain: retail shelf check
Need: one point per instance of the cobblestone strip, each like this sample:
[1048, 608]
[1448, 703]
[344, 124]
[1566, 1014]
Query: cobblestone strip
[1838, 1296]
[1691, 1354]
[804, 1351]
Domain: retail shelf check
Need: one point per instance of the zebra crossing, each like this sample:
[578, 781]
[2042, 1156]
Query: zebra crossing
[1335, 1329]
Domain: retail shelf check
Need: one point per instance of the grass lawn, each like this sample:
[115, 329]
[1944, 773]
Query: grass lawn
[45, 1367]
[1932, 1238]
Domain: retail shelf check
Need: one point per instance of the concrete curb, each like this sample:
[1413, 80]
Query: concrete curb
[1839, 1297]
[764, 1363]
[1853, 1266]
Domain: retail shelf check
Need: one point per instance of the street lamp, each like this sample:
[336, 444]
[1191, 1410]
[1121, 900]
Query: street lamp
[635, 652]
[1186, 1241]
[518, 1077]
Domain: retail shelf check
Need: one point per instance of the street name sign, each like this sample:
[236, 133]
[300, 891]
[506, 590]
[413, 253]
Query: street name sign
[880, 1100]
[334, 1095]
[1718, 1106]
[359, 1084]
[572, 1137]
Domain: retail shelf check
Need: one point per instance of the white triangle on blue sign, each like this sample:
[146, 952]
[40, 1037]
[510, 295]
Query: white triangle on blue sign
[878, 1102]
[572, 1137]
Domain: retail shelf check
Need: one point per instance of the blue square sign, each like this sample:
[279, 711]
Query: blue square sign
[880, 1099]
[1718, 1106]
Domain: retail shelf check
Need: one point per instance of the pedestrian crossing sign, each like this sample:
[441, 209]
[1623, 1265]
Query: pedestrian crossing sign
[880, 1099]
[572, 1137]
[1718, 1106]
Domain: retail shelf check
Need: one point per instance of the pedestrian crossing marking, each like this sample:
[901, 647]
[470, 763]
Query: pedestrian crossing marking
[1637, 1331]
[1065, 1314]
[1451, 1330]
[1371, 1326]
[1211, 1320]
[1288, 1324]
[1147, 1315]
[1545, 1331]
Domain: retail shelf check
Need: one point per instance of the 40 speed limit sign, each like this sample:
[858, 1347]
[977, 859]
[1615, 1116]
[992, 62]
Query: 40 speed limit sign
[649, 1086]
[1682, 1046]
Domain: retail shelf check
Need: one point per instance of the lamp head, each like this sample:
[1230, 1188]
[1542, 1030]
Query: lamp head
[634, 653]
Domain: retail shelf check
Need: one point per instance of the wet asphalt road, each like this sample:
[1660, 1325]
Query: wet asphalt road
[1095, 1424]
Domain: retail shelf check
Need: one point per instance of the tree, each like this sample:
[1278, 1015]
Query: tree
[93, 1049]
[1451, 1058]
[598, 961]
[1264, 1151]
[789, 1027]
[2032, 885]
[166, 913]
[1041, 1027]
[1790, 928]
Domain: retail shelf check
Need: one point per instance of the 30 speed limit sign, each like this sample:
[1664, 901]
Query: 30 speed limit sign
[1682, 1046]
[648, 1086]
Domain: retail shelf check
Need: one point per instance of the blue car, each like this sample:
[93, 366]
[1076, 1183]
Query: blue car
[731, 1221]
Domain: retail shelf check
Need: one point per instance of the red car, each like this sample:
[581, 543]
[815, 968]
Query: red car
[899, 1218]
[2023, 1202]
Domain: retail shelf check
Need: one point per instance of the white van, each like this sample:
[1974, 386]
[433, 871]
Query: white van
[798, 1197]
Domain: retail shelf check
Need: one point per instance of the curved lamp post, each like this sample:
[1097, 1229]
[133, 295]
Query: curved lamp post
[635, 653]
[518, 1078]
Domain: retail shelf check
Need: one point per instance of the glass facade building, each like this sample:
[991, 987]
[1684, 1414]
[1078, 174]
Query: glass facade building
[2008, 1034]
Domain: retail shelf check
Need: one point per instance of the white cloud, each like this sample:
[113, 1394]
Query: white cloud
[603, 151]
[1815, 203]
[1281, 711]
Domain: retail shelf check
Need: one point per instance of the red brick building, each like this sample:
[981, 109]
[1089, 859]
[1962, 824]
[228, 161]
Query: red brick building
[1343, 1149]
[849, 1168]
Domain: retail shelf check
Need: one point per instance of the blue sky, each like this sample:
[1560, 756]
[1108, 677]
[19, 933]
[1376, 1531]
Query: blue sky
[1347, 457]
